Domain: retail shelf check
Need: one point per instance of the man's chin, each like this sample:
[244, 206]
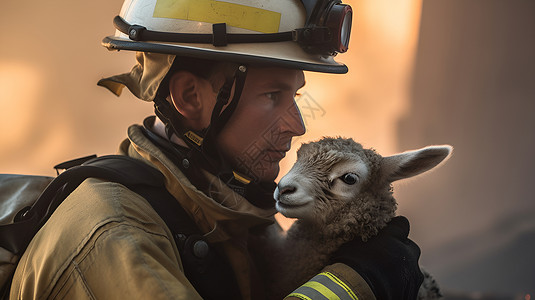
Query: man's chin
[268, 173]
[271, 176]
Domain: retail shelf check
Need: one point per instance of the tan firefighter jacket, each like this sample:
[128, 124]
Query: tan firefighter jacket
[106, 242]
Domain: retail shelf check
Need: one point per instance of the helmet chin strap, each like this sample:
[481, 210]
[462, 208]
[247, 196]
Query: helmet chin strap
[204, 151]
[219, 116]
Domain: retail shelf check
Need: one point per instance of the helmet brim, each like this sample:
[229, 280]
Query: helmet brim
[323, 66]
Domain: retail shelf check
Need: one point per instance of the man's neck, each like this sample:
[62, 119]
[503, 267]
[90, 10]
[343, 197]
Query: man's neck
[159, 129]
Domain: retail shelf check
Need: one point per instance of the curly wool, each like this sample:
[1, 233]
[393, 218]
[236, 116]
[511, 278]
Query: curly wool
[362, 217]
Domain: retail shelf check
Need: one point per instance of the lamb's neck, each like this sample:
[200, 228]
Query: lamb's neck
[304, 230]
[313, 232]
[360, 219]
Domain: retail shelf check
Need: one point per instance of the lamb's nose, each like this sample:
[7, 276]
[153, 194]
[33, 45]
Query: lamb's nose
[283, 190]
[288, 189]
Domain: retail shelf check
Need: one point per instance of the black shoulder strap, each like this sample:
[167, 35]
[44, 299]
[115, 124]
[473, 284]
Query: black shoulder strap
[133, 173]
[149, 183]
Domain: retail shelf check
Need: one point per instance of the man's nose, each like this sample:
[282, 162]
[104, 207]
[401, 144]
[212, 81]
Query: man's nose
[294, 120]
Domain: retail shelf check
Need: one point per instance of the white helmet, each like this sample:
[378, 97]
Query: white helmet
[302, 34]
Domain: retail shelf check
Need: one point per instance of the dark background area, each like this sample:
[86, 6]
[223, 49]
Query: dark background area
[475, 72]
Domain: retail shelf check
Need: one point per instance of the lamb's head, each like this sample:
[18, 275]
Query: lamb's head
[335, 173]
[327, 174]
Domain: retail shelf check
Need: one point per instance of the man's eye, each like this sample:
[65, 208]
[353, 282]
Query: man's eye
[272, 95]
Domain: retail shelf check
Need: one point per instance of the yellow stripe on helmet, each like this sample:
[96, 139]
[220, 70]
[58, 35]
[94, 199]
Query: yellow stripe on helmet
[212, 11]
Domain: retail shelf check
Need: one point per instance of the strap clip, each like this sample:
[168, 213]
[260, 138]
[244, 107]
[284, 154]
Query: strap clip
[219, 34]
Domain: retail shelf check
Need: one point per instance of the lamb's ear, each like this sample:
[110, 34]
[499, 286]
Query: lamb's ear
[412, 163]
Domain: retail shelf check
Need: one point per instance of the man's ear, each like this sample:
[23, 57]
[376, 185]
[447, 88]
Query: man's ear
[187, 92]
[412, 163]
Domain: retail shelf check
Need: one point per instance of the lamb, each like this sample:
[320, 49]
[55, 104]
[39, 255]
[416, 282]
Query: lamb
[340, 191]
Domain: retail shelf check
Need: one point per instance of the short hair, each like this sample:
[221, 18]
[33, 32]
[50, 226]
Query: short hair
[216, 72]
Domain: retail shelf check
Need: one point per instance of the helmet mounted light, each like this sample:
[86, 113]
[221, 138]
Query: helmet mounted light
[328, 27]
[326, 32]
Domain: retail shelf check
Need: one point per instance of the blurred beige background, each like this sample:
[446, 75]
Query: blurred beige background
[458, 72]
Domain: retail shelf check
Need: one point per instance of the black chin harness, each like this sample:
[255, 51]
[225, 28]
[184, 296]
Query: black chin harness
[203, 151]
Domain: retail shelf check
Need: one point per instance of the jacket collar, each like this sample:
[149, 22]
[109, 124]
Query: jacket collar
[220, 213]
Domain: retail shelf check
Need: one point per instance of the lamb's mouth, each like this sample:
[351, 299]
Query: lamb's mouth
[290, 206]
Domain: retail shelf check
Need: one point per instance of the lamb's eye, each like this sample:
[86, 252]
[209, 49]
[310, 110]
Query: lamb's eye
[349, 178]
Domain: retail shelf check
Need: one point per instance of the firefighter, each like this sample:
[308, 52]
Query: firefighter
[223, 76]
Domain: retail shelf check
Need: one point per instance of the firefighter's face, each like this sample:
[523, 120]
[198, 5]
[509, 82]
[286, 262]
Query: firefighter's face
[259, 133]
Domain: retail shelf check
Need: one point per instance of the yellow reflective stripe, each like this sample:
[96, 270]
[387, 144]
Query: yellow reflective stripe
[241, 178]
[297, 295]
[324, 286]
[340, 283]
[212, 11]
[325, 291]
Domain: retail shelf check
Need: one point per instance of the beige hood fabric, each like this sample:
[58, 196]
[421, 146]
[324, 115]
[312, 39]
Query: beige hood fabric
[213, 212]
[144, 78]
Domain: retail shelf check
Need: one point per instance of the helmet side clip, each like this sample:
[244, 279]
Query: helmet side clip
[219, 34]
[135, 32]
